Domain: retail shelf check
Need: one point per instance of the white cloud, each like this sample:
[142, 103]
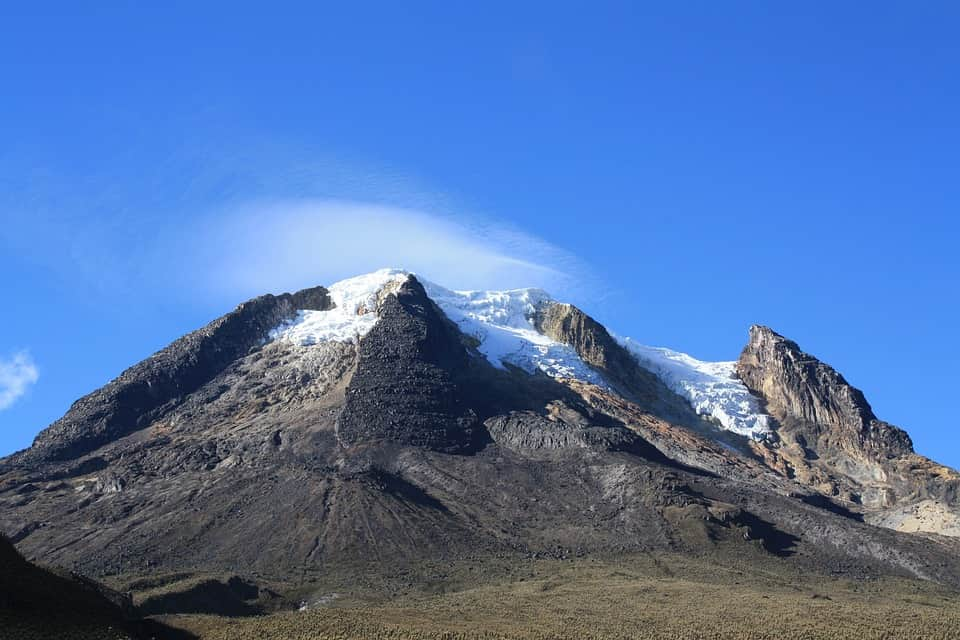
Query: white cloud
[257, 216]
[17, 373]
[283, 246]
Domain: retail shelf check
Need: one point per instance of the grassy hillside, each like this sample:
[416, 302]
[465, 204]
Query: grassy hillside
[751, 596]
[661, 596]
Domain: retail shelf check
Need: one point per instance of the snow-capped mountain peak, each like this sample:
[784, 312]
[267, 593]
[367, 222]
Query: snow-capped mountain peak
[503, 324]
[353, 313]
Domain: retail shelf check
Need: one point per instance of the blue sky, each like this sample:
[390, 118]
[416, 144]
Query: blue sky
[680, 170]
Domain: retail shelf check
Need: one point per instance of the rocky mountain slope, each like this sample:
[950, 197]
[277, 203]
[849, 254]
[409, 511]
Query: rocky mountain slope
[387, 420]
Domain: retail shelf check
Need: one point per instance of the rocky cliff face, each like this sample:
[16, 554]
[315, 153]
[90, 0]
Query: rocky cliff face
[830, 438]
[568, 325]
[821, 406]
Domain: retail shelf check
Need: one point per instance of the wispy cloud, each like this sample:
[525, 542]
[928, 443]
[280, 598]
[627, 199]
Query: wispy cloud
[227, 226]
[278, 246]
[17, 373]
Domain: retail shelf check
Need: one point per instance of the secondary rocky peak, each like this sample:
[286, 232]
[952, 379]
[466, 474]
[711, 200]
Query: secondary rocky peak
[812, 398]
[569, 325]
[596, 347]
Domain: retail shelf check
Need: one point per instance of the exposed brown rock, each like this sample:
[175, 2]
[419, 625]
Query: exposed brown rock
[821, 405]
[569, 325]
[831, 440]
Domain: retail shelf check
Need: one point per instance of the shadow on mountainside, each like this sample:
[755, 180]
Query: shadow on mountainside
[37, 602]
[775, 541]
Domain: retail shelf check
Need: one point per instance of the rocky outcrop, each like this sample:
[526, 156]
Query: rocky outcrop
[310, 299]
[405, 388]
[146, 390]
[569, 325]
[829, 439]
[815, 401]
[526, 432]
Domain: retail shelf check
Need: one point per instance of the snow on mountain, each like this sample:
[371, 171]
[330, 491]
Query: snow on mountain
[502, 323]
[353, 315]
[712, 388]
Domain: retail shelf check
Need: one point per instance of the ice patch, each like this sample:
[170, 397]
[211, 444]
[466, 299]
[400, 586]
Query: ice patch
[712, 388]
[353, 316]
[502, 323]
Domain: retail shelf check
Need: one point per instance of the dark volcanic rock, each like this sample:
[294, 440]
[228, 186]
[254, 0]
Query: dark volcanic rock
[36, 602]
[312, 299]
[158, 383]
[815, 399]
[527, 431]
[405, 388]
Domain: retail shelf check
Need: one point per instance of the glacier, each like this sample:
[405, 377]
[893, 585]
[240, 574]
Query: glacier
[351, 318]
[712, 388]
[501, 322]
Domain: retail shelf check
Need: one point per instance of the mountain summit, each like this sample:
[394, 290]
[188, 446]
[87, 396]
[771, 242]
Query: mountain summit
[387, 419]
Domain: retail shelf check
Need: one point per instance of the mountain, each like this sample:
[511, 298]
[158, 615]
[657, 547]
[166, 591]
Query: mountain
[386, 420]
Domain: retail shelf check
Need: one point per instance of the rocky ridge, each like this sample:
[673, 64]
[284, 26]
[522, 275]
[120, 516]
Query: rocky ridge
[157, 384]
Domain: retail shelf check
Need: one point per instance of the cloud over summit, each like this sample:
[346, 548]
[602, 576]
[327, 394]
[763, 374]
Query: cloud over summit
[281, 246]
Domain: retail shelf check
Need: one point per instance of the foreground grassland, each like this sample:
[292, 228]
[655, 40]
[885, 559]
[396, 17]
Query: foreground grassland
[638, 597]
